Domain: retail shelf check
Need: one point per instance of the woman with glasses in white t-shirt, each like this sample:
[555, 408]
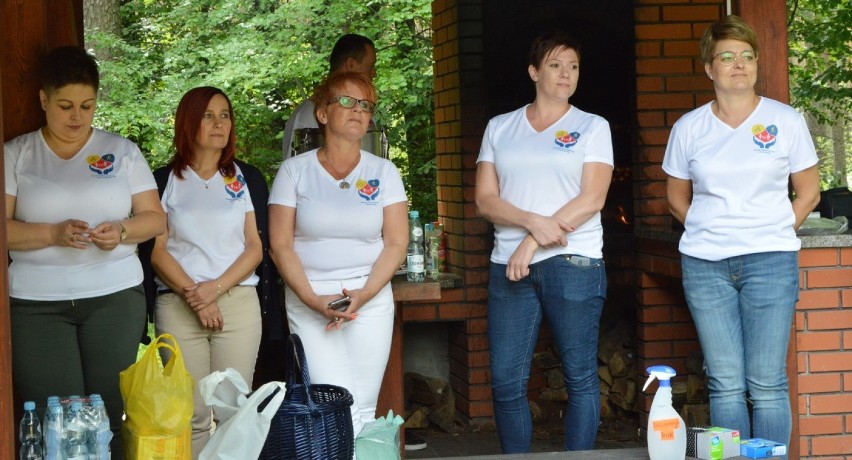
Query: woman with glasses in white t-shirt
[730, 163]
[338, 228]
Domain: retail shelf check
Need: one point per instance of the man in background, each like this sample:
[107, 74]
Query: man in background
[351, 53]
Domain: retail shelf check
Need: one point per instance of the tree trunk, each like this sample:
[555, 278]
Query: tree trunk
[101, 16]
[838, 141]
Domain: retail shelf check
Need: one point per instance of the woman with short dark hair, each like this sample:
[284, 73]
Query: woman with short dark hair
[78, 200]
[542, 176]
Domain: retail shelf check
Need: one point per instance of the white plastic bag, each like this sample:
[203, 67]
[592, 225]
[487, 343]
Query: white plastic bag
[242, 429]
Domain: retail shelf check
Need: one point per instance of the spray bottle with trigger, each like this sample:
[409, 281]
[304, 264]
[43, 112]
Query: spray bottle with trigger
[666, 430]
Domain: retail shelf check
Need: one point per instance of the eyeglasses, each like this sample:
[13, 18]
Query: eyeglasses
[729, 57]
[349, 102]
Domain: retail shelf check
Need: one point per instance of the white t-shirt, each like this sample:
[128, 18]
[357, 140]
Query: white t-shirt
[740, 202]
[338, 231]
[541, 171]
[207, 223]
[96, 186]
[301, 118]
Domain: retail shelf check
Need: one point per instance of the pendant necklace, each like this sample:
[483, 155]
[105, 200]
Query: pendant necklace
[344, 183]
[206, 182]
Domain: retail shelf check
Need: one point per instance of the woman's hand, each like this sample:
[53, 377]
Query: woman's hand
[107, 235]
[211, 317]
[72, 233]
[518, 266]
[336, 318]
[202, 294]
[549, 232]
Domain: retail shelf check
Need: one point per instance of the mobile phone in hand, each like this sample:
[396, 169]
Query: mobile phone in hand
[340, 304]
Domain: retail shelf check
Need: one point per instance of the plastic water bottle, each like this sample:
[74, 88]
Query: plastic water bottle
[415, 260]
[53, 422]
[30, 434]
[75, 433]
[99, 432]
[666, 430]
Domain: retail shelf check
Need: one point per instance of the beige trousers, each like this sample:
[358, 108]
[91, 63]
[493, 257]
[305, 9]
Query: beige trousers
[205, 350]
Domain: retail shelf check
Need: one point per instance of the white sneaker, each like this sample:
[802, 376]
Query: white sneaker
[414, 442]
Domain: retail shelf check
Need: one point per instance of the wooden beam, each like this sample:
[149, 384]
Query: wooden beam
[769, 20]
[27, 29]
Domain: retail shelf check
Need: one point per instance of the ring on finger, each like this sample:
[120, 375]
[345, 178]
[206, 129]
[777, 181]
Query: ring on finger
[71, 237]
[336, 319]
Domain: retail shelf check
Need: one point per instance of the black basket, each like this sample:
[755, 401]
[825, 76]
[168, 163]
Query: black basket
[314, 422]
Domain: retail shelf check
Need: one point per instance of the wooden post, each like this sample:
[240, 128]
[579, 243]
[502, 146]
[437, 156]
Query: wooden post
[27, 28]
[769, 20]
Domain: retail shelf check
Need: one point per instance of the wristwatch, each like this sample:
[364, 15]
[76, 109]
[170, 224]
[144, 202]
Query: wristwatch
[123, 232]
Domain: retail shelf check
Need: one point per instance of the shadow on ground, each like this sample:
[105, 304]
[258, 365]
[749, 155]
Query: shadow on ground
[614, 433]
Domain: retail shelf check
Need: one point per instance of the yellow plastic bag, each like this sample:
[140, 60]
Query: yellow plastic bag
[157, 405]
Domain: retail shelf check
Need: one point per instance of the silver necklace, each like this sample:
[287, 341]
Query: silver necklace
[344, 183]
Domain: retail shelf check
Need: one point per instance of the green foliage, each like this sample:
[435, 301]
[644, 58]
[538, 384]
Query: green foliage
[268, 55]
[820, 33]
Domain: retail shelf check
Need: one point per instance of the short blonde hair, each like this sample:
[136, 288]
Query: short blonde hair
[730, 27]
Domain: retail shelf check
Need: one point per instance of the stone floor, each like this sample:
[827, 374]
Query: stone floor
[547, 437]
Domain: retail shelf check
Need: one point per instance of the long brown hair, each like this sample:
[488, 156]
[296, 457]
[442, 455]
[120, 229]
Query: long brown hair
[190, 111]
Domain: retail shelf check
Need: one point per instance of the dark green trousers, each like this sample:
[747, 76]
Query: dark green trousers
[76, 347]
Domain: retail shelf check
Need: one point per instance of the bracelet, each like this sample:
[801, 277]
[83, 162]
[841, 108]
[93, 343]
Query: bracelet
[218, 289]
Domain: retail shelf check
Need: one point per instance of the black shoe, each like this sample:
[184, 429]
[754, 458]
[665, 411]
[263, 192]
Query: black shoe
[414, 442]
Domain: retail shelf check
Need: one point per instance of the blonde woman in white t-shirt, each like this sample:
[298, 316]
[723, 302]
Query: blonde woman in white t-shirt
[78, 200]
[338, 228]
[730, 163]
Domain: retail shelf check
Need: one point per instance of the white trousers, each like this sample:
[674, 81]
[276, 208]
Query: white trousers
[353, 357]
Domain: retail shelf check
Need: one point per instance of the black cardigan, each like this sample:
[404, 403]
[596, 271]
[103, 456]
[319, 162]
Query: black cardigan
[268, 286]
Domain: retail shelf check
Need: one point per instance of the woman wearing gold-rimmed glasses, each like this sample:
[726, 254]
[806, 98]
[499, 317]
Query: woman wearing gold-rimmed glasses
[729, 164]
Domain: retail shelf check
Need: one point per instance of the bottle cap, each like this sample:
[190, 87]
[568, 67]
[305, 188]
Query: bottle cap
[663, 373]
[414, 214]
[29, 405]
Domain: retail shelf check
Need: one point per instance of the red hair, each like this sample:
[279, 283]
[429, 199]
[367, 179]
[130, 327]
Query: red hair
[190, 112]
[335, 82]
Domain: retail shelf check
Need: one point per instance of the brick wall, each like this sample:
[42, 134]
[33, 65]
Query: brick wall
[670, 81]
[824, 353]
[459, 123]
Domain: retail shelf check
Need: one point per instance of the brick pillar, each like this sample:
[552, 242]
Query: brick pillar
[670, 81]
[459, 123]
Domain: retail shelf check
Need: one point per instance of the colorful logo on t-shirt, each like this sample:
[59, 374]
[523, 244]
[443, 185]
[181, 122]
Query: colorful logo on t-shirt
[368, 189]
[764, 136]
[102, 165]
[565, 140]
[235, 186]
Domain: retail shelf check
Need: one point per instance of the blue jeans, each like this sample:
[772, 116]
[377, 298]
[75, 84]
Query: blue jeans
[743, 309]
[571, 297]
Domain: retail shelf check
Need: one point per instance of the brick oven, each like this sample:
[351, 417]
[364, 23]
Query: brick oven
[640, 71]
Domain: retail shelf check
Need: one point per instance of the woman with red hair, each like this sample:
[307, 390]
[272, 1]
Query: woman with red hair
[205, 263]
